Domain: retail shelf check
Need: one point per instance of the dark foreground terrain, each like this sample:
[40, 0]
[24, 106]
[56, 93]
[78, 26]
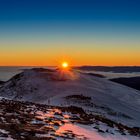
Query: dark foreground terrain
[29, 121]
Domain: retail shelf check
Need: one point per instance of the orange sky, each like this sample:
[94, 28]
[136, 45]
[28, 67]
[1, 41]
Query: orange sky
[79, 54]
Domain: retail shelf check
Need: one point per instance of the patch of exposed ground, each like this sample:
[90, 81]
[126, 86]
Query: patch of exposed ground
[29, 121]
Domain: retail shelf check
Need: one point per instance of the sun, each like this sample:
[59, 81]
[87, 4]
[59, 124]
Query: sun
[65, 65]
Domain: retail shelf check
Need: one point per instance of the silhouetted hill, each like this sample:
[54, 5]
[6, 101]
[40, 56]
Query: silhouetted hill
[133, 82]
[96, 75]
[2, 82]
[117, 69]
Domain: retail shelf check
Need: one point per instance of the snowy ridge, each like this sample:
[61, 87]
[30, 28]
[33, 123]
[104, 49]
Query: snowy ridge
[65, 88]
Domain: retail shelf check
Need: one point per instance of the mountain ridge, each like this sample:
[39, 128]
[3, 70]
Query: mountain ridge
[66, 88]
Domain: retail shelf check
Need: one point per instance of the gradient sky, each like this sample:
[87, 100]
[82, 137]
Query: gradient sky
[82, 32]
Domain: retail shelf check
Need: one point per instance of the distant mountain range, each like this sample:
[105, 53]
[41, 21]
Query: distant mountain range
[117, 69]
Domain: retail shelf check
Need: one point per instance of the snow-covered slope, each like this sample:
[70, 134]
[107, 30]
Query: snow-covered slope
[64, 88]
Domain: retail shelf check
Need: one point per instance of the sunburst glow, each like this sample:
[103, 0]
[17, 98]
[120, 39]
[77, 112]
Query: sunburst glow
[65, 65]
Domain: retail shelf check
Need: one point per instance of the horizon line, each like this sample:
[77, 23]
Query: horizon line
[70, 66]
